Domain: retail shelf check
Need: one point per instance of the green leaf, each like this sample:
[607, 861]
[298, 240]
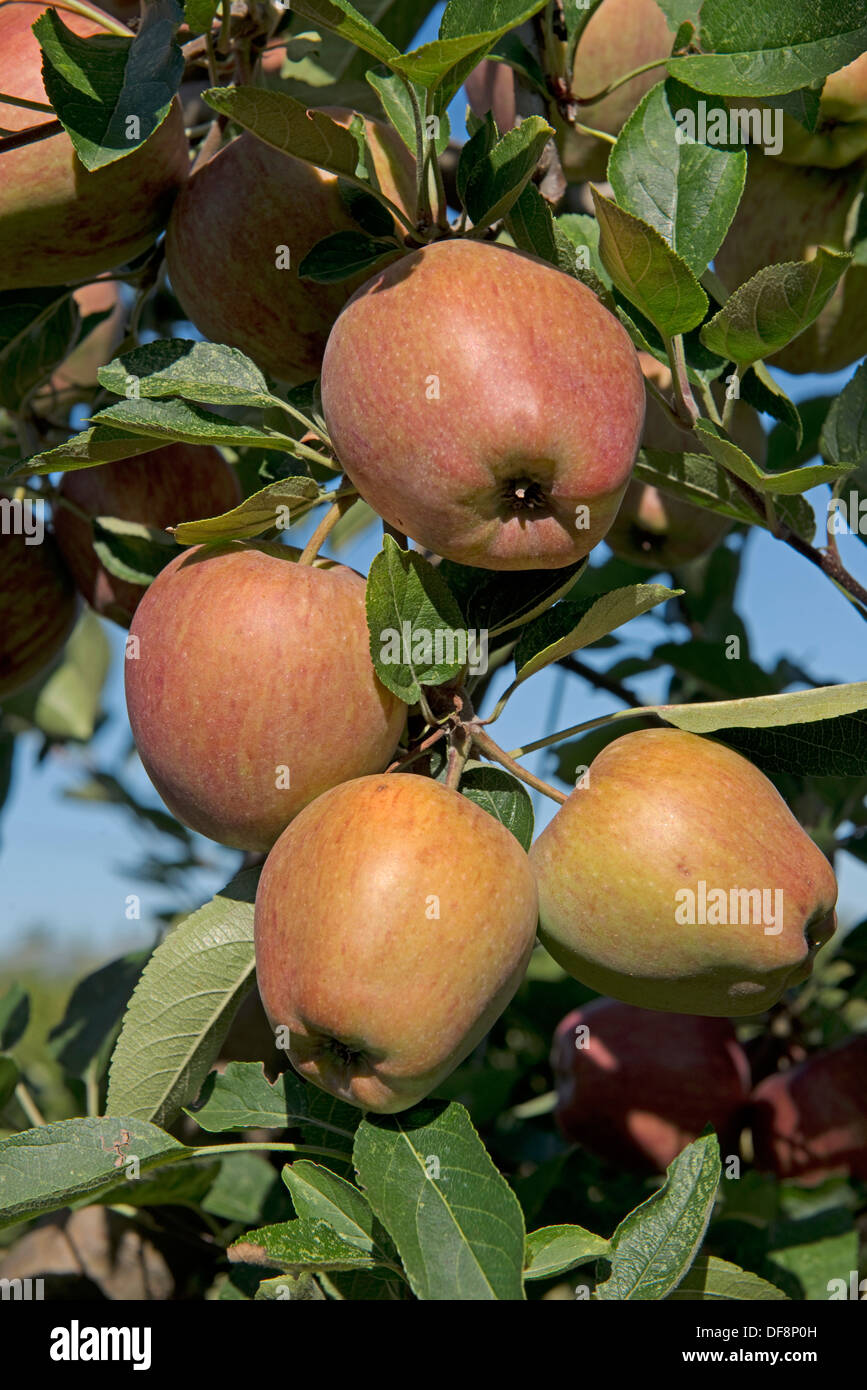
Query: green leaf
[556, 1249]
[130, 550]
[111, 93]
[688, 192]
[502, 796]
[300, 1245]
[500, 601]
[319, 1194]
[37, 330]
[417, 633]
[242, 1097]
[773, 307]
[295, 1288]
[646, 270]
[94, 1011]
[767, 711]
[14, 1016]
[497, 179]
[711, 1279]
[167, 420]
[469, 29]
[844, 435]
[764, 50]
[835, 747]
[342, 255]
[455, 1221]
[209, 373]
[47, 1168]
[397, 105]
[793, 480]
[700, 480]
[9, 1076]
[577, 622]
[653, 1248]
[101, 444]
[242, 1188]
[479, 145]
[183, 1005]
[350, 23]
[277, 505]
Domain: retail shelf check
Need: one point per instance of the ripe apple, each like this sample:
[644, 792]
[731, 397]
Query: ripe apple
[76, 376]
[180, 482]
[620, 35]
[37, 608]
[785, 214]
[394, 922]
[463, 413]
[678, 879]
[223, 247]
[60, 222]
[811, 1121]
[654, 528]
[636, 1088]
[250, 688]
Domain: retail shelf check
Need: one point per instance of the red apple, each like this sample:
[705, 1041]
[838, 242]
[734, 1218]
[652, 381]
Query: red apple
[250, 688]
[76, 376]
[811, 1121]
[180, 482]
[60, 222]
[37, 608]
[636, 1087]
[224, 239]
[464, 413]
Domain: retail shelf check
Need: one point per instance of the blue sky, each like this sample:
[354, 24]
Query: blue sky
[64, 865]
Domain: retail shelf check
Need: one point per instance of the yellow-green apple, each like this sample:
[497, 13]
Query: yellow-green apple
[250, 688]
[811, 1121]
[636, 1088]
[678, 879]
[76, 376]
[785, 214]
[239, 232]
[37, 608]
[621, 35]
[180, 482]
[59, 221]
[394, 922]
[463, 412]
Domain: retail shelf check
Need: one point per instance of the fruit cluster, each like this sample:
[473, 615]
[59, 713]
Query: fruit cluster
[490, 408]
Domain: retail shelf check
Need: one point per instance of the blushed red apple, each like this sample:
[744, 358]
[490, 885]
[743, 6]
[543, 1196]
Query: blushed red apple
[486, 404]
[250, 688]
[37, 608]
[811, 1121]
[636, 1087]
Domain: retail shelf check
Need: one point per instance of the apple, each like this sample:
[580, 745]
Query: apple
[621, 35]
[654, 528]
[636, 1088]
[37, 608]
[60, 222]
[76, 377]
[394, 922]
[678, 879]
[180, 482]
[785, 214]
[463, 412]
[491, 87]
[250, 688]
[811, 1121]
[223, 247]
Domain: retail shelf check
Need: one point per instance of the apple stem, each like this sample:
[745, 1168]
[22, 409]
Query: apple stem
[327, 524]
[28, 1104]
[208, 1149]
[687, 408]
[495, 754]
[112, 26]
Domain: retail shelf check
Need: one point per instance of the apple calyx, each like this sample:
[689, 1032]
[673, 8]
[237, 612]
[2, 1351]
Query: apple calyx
[527, 495]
